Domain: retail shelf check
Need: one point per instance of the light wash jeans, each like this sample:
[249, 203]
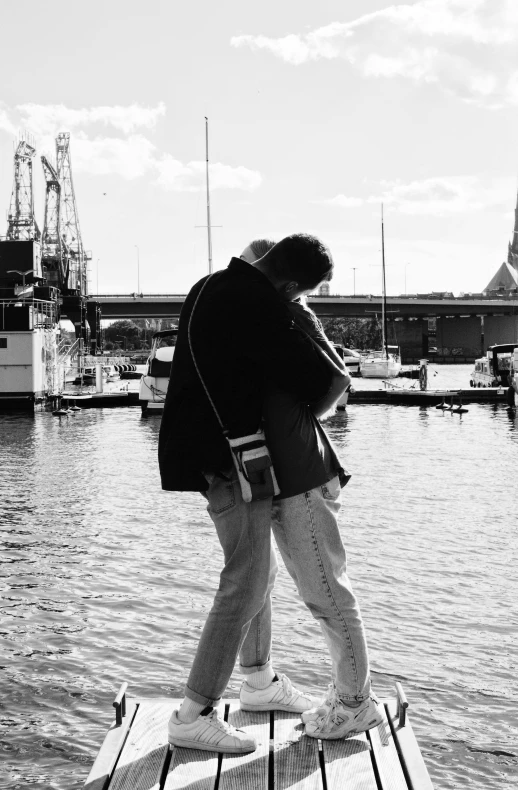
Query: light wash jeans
[239, 622]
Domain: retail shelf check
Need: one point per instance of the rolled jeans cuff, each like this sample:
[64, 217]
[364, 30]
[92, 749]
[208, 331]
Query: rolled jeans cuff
[200, 699]
[252, 670]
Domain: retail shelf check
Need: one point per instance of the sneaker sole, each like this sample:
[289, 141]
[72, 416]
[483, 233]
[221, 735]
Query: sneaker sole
[265, 707]
[209, 747]
[349, 734]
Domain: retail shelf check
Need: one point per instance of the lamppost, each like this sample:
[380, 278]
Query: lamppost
[23, 275]
[138, 268]
[354, 279]
[98, 259]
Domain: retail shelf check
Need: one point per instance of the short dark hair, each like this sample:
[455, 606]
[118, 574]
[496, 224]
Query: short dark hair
[302, 258]
[261, 246]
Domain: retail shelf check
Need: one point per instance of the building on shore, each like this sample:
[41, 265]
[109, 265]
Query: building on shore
[506, 278]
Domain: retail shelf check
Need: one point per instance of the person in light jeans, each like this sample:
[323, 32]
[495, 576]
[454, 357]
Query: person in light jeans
[263, 370]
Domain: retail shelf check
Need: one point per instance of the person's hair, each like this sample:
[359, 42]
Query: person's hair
[302, 258]
[261, 246]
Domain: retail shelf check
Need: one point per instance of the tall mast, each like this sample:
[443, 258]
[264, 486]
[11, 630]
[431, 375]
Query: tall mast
[209, 233]
[384, 301]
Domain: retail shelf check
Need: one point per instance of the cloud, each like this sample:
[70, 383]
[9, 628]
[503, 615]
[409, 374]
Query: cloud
[5, 122]
[129, 158]
[436, 196]
[468, 47]
[128, 155]
[175, 176]
[43, 119]
[341, 201]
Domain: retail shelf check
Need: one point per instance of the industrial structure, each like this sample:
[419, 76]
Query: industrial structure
[41, 276]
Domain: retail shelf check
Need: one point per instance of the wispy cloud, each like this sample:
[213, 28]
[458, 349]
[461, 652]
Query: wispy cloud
[175, 176]
[128, 154]
[468, 47]
[341, 201]
[43, 119]
[436, 196]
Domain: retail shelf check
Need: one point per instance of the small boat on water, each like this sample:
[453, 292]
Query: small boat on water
[351, 358]
[385, 363]
[155, 380]
[381, 364]
[494, 369]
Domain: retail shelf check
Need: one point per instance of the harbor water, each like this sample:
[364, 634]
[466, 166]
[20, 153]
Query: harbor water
[104, 578]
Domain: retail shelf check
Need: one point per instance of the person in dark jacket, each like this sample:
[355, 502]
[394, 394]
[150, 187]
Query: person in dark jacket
[237, 343]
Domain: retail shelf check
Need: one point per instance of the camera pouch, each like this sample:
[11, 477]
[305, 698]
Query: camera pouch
[254, 467]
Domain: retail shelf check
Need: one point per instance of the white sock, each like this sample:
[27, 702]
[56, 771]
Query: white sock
[190, 710]
[260, 680]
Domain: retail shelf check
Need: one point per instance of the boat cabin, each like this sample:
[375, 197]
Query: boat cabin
[494, 369]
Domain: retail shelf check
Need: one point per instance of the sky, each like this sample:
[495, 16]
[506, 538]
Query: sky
[318, 114]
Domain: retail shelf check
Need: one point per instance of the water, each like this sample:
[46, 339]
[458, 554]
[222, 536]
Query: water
[106, 578]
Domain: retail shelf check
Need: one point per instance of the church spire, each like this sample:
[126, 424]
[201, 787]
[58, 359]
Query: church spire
[512, 255]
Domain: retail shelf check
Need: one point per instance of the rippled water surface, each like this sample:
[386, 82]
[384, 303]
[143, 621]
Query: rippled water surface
[106, 578]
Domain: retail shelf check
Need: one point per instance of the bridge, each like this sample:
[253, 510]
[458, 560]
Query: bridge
[449, 329]
[114, 306]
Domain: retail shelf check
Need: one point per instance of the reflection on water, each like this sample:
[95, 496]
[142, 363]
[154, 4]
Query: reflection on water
[106, 578]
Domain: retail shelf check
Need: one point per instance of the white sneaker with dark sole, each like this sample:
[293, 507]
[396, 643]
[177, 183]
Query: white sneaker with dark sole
[333, 720]
[279, 695]
[209, 733]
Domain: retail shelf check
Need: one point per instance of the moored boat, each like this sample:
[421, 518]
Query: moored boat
[385, 363]
[155, 380]
[381, 364]
[494, 369]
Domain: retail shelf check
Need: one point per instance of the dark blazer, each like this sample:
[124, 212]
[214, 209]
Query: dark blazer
[243, 336]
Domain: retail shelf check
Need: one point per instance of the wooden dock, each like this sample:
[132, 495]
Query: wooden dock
[136, 755]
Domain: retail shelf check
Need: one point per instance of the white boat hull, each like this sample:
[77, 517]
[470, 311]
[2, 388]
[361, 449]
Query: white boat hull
[373, 368]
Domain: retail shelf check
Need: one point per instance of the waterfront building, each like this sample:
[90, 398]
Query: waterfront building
[506, 278]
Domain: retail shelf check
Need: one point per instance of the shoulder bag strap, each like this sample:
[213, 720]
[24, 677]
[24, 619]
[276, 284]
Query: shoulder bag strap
[225, 430]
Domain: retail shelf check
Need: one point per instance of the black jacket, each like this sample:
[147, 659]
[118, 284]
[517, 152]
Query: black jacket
[242, 336]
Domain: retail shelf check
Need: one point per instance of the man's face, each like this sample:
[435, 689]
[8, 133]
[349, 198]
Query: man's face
[292, 290]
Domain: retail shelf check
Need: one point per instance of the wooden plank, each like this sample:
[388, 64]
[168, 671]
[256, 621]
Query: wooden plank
[386, 757]
[191, 768]
[142, 759]
[296, 760]
[247, 771]
[348, 764]
[409, 749]
[102, 768]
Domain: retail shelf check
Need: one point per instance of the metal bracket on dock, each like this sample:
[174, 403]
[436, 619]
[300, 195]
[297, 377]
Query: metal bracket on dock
[402, 704]
[119, 703]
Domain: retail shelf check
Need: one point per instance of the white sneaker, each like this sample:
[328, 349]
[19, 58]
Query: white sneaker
[333, 720]
[210, 733]
[279, 695]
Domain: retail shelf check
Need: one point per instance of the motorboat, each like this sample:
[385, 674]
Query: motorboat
[350, 357]
[494, 369]
[155, 380]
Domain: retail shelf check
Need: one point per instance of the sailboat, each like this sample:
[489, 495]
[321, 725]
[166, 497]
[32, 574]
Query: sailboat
[384, 364]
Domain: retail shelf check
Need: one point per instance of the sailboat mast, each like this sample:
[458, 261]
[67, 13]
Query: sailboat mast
[384, 302]
[209, 231]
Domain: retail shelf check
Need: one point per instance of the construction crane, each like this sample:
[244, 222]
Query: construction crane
[69, 219]
[54, 250]
[22, 225]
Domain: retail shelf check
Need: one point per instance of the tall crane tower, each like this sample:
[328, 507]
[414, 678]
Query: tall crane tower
[69, 219]
[22, 225]
[53, 250]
